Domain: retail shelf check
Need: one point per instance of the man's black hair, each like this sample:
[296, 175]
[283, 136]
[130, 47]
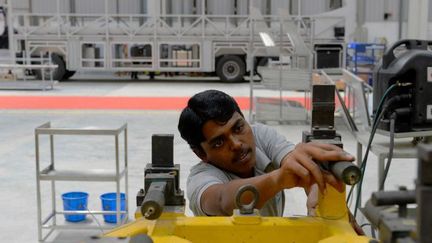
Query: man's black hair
[202, 107]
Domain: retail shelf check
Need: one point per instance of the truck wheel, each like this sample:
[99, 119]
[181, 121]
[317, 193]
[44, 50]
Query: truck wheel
[261, 63]
[67, 75]
[230, 69]
[58, 73]
[152, 75]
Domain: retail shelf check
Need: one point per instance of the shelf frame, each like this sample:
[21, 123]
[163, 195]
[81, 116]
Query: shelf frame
[51, 174]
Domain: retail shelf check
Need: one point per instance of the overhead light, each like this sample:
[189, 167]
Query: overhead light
[266, 39]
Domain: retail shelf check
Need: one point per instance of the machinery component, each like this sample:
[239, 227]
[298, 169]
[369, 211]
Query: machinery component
[154, 201]
[424, 194]
[404, 224]
[161, 180]
[323, 131]
[247, 208]
[393, 223]
[412, 71]
[163, 196]
[162, 151]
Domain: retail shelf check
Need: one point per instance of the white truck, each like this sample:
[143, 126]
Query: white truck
[206, 36]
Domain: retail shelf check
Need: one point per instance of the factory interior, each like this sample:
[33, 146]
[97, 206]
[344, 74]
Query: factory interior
[216, 121]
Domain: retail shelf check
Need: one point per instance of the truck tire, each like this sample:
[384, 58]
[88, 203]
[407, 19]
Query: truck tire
[230, 69]
[67, 75]
[260, 63]
[58, 73]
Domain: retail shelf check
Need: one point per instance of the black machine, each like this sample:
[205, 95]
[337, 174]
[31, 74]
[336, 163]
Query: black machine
[402, 224]
[322, 130]
[409, 102]
[162, 183]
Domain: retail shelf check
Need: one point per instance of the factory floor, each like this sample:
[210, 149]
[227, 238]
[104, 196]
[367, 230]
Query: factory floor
[22, 111]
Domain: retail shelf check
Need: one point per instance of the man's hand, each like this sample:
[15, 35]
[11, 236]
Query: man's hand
[302, 162]
[312, 199]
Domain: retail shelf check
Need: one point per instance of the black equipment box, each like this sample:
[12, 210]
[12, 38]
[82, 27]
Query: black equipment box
[412, 69]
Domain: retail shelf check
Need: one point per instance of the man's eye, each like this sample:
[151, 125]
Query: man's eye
[239, 128]
[218, 143]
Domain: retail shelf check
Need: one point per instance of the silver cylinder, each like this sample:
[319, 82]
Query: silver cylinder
[279, 7]
[220, 7]
[261, 5]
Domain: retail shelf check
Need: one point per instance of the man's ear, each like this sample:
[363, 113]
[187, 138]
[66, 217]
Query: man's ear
[200, 153]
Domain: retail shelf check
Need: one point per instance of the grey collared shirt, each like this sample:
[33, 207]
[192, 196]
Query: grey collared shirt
[271, 148]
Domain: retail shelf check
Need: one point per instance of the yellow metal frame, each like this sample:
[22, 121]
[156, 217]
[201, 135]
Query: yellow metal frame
[330, 226]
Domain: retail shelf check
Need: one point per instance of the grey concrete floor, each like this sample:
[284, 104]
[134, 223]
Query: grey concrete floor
[17, 152]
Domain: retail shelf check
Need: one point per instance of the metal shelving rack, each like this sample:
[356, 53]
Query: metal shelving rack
[50, 173]
[362, 58]
[279, 77]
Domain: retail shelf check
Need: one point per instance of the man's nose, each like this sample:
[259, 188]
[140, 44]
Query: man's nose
[235, 143]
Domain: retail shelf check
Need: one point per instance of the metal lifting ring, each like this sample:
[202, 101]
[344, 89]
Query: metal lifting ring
[247, 208]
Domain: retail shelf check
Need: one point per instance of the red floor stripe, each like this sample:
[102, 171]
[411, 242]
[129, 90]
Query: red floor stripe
[105, 103]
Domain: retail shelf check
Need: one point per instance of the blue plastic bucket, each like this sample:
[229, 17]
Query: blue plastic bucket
[109, 203]
[73, 201]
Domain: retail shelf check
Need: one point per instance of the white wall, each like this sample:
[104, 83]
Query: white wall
[376, 30]
[389, 30]
[379, 30]
[349, 11]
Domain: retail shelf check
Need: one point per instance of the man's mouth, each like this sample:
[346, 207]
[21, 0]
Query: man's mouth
[243, 156]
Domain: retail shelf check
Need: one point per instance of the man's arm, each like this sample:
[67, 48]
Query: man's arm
[302, 161]
[297, 169]
[219, 199]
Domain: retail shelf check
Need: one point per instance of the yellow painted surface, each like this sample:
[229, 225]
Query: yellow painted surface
[173, 226]
[332, 205]
[228, 229]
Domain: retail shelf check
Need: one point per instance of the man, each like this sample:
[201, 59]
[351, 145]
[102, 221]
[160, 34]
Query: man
[234, 154]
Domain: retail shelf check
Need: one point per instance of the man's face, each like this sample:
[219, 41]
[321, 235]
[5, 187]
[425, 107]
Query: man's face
[230, 146]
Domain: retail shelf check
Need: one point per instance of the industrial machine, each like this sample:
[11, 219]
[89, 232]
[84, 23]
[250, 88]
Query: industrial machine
[323, 131]
[161, 180]
[402, 87]
[388, 212]
[159, 35]
[160, 210]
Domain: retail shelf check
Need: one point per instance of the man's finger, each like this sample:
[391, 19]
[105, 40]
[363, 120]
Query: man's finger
[326, 152]
[312, 199]
[331, 179]
[330, 155]
[326, 146]
[314, 169]
[300, 171]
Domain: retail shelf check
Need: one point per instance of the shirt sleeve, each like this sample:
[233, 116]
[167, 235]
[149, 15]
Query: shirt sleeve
[201, 177]
[273, 144]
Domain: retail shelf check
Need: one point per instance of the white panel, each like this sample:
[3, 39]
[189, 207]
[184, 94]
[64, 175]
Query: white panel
[429, 112]
[429, 74]
[90, 7]
[20, 4]
[44, 6]
[188, 6]
[49, 6]
[312, 7]
[430, 11]
[130, 6]
[242, 7]
[279, 7]
[153, 7]
[261, 5]
[393, 8]
[374, 11]
[176, 7]
[220, 7]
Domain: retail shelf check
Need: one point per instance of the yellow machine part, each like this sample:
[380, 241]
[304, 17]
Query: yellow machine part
[173, 226]
[179, 228]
